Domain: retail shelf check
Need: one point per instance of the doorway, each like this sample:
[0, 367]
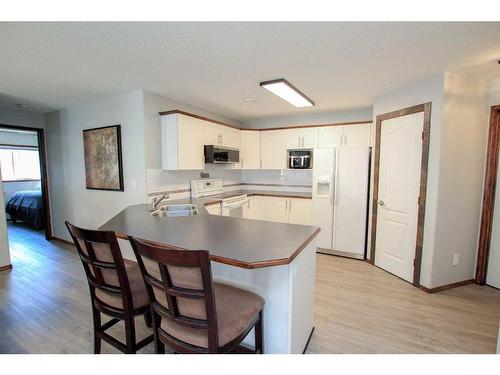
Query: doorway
[24, 175]
[399, 191]
[488, 253]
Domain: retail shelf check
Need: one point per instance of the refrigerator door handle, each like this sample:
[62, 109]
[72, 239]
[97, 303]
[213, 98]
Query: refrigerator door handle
[336, 174]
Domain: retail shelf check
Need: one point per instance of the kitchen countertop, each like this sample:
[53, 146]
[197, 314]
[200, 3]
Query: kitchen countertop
[239, 242]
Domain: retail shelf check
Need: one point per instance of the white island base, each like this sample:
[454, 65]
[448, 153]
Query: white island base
[288, 291]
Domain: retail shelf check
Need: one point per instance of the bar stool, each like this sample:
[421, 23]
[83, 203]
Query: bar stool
[116, 287]
[191, 313]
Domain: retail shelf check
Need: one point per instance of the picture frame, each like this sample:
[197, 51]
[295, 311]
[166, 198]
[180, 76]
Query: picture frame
[103, 158]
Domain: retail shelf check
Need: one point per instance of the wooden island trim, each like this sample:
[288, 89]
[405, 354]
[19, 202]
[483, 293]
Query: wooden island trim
[242, 264]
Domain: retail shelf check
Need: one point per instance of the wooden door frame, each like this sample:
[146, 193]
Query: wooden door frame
[43, 172]
[426, 109]
[490, 182]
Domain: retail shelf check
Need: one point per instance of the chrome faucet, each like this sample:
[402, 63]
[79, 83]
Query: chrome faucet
[156, 201]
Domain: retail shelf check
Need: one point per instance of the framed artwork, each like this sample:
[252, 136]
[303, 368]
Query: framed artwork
[103, 158]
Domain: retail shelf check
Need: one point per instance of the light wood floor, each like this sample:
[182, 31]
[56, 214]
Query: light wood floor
[45, 307]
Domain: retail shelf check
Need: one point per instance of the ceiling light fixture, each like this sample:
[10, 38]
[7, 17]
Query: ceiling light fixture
[286, 91]
[249, 100]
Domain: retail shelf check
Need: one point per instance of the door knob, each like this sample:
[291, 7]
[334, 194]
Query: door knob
[381, 203]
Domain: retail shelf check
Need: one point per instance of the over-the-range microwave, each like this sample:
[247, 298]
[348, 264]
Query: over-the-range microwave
[221, 155]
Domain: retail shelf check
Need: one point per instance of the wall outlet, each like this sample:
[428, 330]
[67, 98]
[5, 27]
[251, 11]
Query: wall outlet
[455, 260]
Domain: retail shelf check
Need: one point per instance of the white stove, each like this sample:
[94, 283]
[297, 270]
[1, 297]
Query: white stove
[210, 187]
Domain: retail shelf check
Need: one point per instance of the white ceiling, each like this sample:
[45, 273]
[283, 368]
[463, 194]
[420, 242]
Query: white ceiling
[215, 66]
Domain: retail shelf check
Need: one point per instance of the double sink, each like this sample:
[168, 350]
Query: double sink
[175, 210]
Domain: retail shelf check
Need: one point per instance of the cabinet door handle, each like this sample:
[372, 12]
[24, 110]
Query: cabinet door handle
[345, 139]
[286, 205]
[290, 204]
[341, 138]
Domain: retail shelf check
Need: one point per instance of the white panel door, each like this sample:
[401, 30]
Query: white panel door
[493, 271]
[273, 149]
[293, 138]
[351, 200]
[330, 136]
[250, 149]
[278, 209]
[357, 135]
[399, 182]
[299, 211]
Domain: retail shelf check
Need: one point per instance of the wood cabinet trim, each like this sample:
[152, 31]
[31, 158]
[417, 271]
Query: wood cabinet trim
[177, 111]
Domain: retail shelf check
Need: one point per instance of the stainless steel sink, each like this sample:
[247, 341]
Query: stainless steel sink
[176, 210]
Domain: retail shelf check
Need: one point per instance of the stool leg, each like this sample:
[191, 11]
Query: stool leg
[258, 335]
[97, 327]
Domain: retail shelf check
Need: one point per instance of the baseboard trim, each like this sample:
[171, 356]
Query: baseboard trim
[447, 286]
[5, 268]
[63, 241]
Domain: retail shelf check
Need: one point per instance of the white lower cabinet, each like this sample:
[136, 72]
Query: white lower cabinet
[279, 209]
[300, 211]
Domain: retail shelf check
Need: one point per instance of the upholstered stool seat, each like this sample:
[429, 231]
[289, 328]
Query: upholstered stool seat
[236, 310]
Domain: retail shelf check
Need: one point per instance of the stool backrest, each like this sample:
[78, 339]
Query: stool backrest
[103, 264]
[180, 289]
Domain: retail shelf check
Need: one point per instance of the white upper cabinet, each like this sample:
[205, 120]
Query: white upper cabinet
[357, 135]
[220, 135]
[182, 142]
[344, 136]
[301, 138]
[250, 149]
[231, 137]
[330, 136]
[212, 134]
[273, 149]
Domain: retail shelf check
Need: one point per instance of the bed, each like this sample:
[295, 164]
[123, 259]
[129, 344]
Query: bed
[27, 206]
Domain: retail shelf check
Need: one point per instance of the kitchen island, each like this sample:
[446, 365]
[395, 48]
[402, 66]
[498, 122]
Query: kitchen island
[274, 260]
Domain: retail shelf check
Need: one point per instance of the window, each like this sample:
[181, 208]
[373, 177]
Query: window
[19, 164]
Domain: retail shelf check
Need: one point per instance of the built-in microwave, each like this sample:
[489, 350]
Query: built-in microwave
[221, 155]
[300, 159]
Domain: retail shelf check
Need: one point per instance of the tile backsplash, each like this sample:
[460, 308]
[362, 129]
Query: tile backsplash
[177, 183]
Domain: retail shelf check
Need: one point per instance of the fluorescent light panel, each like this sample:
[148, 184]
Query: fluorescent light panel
[286, 91]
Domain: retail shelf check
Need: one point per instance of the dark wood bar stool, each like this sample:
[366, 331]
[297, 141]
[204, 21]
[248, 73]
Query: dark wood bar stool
[191, 313]
[116, 287]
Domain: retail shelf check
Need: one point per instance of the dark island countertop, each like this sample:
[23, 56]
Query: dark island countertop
[238, 242]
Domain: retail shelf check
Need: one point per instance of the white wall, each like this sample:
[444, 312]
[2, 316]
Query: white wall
[4, 242]
[18, 138]
[21, 118]
[455, 171]
[494, 92]
[311, 119]
[70, 200]
[463, 149]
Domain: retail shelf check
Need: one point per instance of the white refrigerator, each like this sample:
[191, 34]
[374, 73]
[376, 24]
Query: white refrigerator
[340, 199]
